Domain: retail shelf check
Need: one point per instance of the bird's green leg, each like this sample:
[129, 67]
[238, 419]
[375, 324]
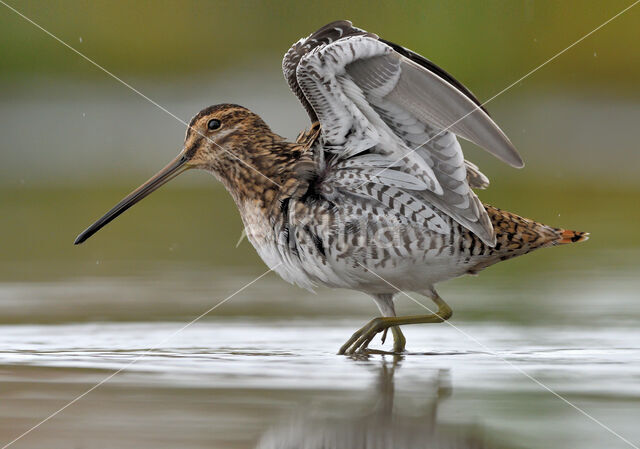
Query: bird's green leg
[361, 338]
[399, 342]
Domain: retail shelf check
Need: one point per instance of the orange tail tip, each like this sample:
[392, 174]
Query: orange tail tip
[572, 236]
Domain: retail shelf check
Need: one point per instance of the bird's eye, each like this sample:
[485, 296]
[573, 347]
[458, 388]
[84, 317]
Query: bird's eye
[213, 124]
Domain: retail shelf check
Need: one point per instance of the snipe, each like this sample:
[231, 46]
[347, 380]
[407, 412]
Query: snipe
[377, 195]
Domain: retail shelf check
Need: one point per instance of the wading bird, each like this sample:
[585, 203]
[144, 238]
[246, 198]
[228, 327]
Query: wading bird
[376, 196]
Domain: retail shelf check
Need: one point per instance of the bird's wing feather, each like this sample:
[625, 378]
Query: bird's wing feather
[388, 124]
[325, 35]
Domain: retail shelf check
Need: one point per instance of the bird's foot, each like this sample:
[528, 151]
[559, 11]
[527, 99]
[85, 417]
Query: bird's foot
[384, 335]
[399, 342]
[359, 341]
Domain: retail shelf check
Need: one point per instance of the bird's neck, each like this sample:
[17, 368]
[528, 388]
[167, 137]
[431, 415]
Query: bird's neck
[274, 169]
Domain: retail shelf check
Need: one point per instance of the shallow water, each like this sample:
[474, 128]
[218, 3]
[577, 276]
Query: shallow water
[261, 370]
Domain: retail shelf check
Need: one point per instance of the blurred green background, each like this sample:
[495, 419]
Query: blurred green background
[74, 140]
[486, 44]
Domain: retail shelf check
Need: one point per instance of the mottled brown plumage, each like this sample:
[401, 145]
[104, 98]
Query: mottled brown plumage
[376, 196]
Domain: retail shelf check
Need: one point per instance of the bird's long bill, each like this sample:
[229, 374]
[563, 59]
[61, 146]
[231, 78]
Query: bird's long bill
[173, 169]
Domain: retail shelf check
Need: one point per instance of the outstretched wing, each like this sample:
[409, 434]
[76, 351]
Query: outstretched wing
[389, 120]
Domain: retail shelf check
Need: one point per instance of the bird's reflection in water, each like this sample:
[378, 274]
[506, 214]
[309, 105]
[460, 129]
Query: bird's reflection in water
[388, 424]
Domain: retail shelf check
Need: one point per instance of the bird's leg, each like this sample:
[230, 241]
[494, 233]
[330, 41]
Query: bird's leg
[384, 336]
[361, 338]
[384, 301]
[399, 342]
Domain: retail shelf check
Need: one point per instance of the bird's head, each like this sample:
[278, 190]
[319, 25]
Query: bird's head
[223, 136]
[228, 140]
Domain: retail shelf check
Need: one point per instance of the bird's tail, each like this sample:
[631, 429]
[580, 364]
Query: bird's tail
[517, 235]
[566, 236]
[521, 235]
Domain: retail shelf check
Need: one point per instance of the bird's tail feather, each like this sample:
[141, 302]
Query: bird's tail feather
[519, 234]
[566, 236]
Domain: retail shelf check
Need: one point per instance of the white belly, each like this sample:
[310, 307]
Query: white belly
[345, 264]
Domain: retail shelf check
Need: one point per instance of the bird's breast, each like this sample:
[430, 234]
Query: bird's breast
[272, 236]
